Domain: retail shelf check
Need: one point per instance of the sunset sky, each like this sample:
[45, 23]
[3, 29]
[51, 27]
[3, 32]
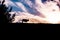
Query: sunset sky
[47, 10]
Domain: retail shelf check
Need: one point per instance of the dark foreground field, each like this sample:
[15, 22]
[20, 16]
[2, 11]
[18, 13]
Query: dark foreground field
[30, 28]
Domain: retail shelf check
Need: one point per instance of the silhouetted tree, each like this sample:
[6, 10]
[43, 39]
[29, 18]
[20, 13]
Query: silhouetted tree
[4, 14]
[25, 20]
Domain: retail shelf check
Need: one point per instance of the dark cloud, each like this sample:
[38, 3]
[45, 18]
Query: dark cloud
[43, 1]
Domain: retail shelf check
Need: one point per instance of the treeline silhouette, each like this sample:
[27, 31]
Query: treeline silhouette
[4, 13]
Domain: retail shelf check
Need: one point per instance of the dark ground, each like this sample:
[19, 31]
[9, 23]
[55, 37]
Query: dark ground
[30, 28]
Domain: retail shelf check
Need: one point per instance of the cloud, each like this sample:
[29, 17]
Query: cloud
[20, 5]
[47, 10]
